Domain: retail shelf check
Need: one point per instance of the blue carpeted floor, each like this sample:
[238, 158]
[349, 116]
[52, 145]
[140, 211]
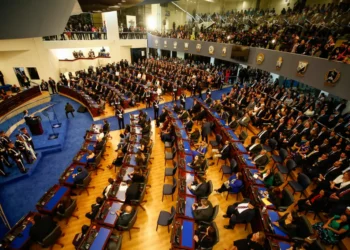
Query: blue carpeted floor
[20, 197]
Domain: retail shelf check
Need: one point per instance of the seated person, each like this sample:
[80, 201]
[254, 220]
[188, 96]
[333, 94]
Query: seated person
[188, 124]
[313, 202]
[4, 95]
[196, 164]
[205, 237]
[80, 54]
[224, 153]
[124, 216]
[194, 136]
[91, 157]
[91, 54]
[199, 187]
[132, 192]
[255, 148]
[145, 145]
[275, 196]
[99, 145]
[201, 149]
[233, 124]
[254, 241]
[330, 231]
[234, 184]
[65, 202]
[43, 225]
[201, 115]
[95, 208]
[239, 212]
[266, 176]
[79, 237]
[137, 176]
[202, 211]
[15, 89]
[79, 177]
[75, 54]
[118, 161]
[289, 224]
[101, 135]
[183, 115]
[140, 159]
[106, 190]
[261, 159]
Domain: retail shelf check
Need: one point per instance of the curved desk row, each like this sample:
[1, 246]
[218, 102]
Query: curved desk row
[18, 99]
[81, 97]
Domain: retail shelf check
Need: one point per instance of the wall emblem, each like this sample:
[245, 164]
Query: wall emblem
[223, 51]
[185, 46]
[211, 49]
[302, 67]
[175, 45]
[260, 58]
[198, 47]
[331, 77]
[165, 44]
[156, 42]
[279, 63]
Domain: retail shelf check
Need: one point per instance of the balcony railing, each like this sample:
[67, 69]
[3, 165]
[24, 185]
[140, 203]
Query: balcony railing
[132, 35]
[77, 35]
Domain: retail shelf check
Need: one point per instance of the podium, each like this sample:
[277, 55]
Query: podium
[34, 124]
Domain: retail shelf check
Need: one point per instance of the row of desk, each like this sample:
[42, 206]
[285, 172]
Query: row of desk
[98, 233]
[254, 188]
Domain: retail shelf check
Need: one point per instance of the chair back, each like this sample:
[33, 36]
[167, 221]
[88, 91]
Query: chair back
[291, 165]
[243, 136]
[287, 198]
[174, 185]
[210, 189]
[51, 239]
[173, 150]
[305, 228]
[278, 179]
[70, 210]
[87, 180]
[304, 180]
[174, 169]
[215, 213]
[233, 165]
[172, 215]
[218, 138]
[283, 154]
[114, 243]
[213, 224]
[273, 144]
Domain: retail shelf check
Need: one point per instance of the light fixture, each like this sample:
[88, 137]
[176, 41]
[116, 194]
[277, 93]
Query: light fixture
[123, 1]
[273, 40]
[151, 23]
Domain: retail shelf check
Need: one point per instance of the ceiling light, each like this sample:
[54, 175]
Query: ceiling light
[123, 1]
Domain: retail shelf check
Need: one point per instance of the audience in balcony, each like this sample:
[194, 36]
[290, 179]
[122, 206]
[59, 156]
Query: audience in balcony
[310, 30]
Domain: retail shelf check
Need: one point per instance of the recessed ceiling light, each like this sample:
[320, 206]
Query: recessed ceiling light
[123, 1]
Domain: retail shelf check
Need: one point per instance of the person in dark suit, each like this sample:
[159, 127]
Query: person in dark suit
[262, 135]
[106, 126]
[261, 159]
[69, 109]
[239, 212]
[132, 192]
[79, 237]
[205, 237]
[224, 153]
[254, 241]
[313, 202]
[199, 187]
[99, 145]
[125, 216]
[95, 208]
[202, 211]
[196, 108]
[43, 226]
[200, 115]
[255, 148]
[206, 129]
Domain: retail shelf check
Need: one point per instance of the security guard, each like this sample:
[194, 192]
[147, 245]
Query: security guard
[16, 155]
[119, 113]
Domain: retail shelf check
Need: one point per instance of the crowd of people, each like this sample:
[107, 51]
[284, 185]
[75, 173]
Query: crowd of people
[314, 131]
[308, 30]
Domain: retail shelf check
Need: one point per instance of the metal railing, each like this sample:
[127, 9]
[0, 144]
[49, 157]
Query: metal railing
[132, 35]
[77, 35]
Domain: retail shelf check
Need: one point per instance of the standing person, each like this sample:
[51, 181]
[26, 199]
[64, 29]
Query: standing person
[20, 145]
[52, 84]
[183, 100]
[2, 79]
[26, 81]
[69, 109]
[148, 98]
[206, 129]
[119, 113]
[25, 134]
[16, 155]
[156, 108]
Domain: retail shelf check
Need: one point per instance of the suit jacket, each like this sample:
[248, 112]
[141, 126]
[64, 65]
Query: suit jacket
[201, 190]
[206, 129]
[263, 135]
[203, 214]
[255, 150]
[225, 152]
[42, 228]
[132, 192]
[79, 178]
[262, 160]
[124, 219]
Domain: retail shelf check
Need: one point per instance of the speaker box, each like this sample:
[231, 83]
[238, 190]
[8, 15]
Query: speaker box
[82, 109]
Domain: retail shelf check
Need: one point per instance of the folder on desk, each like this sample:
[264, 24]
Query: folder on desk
[266, 201]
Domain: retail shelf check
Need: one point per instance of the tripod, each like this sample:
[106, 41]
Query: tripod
[54, 135]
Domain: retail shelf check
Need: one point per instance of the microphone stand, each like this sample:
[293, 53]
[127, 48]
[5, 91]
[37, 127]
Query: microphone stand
[54, 135]
[57, 124]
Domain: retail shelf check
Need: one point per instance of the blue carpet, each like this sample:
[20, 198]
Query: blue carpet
[18, 198]
[51, 166]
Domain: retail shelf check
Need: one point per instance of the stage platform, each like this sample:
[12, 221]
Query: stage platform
[42, 145]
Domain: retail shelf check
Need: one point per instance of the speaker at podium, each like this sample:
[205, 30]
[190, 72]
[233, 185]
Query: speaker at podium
[34, 124]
